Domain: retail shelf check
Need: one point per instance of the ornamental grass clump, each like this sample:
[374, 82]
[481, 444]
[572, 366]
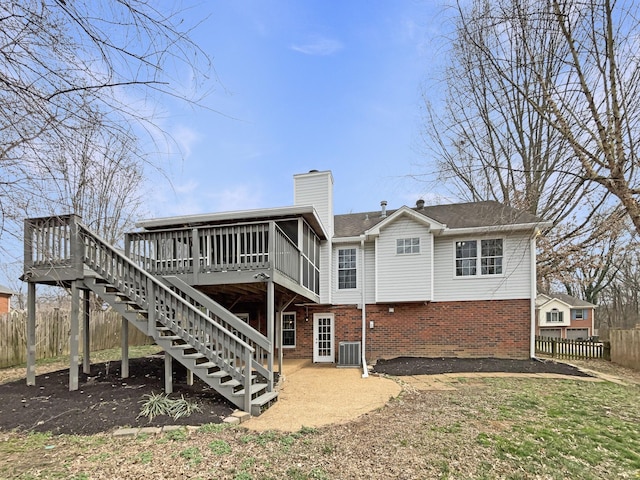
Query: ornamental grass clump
[158, 404]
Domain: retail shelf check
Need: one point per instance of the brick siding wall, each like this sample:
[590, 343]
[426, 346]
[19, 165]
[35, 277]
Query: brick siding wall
[471, 329]
[4, 304]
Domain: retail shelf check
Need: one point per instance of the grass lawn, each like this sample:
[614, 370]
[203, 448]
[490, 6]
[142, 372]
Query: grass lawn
[503, 428]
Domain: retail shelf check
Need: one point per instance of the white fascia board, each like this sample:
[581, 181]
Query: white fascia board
[357, 239]
[409, 212]
[517, 227]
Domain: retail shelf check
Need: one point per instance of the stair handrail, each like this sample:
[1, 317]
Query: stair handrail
[262, 343]
[238, 374]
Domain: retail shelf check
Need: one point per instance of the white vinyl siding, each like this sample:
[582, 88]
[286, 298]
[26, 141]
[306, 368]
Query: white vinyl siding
[326, 272]
[317, 189]
[514, 283]
[354, 296]
[403, 277]
[554, 314]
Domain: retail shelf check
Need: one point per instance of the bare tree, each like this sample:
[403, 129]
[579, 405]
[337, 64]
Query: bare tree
[590, 102]
[525, 124]
[76, 82]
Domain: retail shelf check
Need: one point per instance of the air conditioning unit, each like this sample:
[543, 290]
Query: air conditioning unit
[349, 354]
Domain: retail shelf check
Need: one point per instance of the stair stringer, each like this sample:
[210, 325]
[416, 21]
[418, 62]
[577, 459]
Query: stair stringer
[210, 372]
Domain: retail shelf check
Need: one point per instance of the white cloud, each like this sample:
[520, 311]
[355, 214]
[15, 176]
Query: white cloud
[185, 137]
[320, 46]
[238, 197]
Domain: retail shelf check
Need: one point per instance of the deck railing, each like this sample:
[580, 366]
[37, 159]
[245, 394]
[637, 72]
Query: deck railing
[64, 242]
[237, 247]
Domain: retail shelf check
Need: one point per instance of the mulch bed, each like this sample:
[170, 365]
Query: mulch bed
[430, 366]
[104, 401]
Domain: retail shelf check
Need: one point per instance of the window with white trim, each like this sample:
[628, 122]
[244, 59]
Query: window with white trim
[578, 314]
[488, 257]
[405, 246]
[346, 268]
[554, 316]
[288, 330]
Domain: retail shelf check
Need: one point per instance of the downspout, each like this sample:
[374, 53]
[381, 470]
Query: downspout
[365, 370]
[534, 292]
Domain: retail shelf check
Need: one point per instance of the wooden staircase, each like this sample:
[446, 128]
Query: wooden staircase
[214, 344]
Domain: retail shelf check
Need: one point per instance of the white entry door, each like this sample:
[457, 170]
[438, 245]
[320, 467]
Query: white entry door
[323, 350]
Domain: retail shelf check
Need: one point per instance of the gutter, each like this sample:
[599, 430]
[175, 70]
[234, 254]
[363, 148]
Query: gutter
[365, 370]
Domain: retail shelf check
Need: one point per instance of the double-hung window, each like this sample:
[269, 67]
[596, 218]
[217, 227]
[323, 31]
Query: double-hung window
[406, 246]
[346, 268]
[479, 257]
[288, 330]
[554, 316]
[578, 314]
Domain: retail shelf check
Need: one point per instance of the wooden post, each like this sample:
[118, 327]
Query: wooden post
[31, 333]
[151, 309]
[190, 377]
[195, 254]
[86, 334]
[168, 373]
[279, 335]
[270, 330]
[124, 354]
[74, 341]
[77, 246]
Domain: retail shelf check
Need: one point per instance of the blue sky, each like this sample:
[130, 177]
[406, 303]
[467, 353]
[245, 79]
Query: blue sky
[326, 85]
[309, 84]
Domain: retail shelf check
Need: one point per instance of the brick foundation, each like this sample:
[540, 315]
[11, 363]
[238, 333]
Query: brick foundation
[471, 329]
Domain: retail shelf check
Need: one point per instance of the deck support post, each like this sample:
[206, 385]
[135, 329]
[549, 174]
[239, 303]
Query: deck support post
[279, 342]
[168, 373]
[124, 354]
[86, 335]
[190, 377]
[74, 334]
[270, 331]
[31, 333]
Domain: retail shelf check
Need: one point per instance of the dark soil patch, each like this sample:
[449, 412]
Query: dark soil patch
[103, 401]
[429, 366]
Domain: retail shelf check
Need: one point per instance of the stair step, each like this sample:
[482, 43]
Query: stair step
[194, 356]
[255, 388]
[264, 398]
[206, 365]
[169, 337]
[218, 374]
[261, 403]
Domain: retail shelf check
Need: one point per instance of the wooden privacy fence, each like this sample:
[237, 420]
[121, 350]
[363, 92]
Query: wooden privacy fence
[52, 335]
[625, 347]
[565, 348]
